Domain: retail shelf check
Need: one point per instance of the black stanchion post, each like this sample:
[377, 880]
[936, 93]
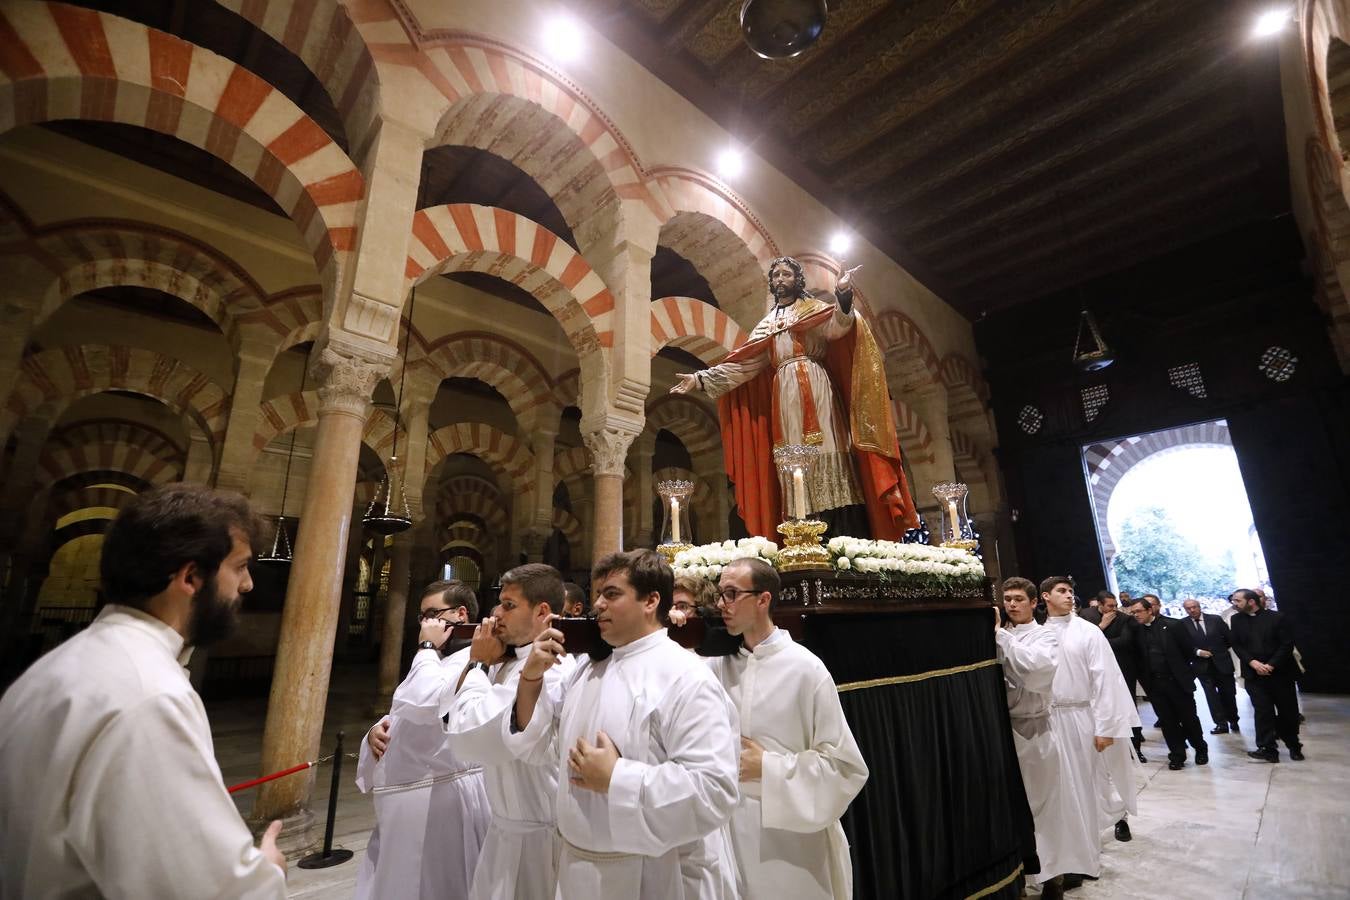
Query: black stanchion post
[329, 856]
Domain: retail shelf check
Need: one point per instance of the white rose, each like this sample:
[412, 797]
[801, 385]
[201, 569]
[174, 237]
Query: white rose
[843, 563]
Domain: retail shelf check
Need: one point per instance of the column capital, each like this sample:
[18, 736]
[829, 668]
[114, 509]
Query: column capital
[609, 447]
[346, 379]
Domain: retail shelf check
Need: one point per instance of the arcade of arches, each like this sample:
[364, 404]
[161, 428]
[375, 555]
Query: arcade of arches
[272, 246]
[210, 255]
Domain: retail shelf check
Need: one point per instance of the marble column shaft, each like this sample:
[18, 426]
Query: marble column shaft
[609, 448]
[237, 454]
[395, 613]
[295, 710]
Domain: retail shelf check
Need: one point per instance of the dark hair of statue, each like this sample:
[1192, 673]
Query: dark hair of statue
[164, 529]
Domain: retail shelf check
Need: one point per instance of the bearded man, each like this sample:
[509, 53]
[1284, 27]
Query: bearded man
[108, 778]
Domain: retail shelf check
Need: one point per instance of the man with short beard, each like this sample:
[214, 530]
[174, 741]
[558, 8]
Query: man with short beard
[519, 856]
[1092, 715]
[108, 779]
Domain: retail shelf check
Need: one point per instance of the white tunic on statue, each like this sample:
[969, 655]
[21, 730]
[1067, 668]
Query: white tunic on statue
[785, 832]
[798, 361]
[108, 778]
[431, 811]
[520, 857]
[1029, 655]
[660, 831]
[1090, 700]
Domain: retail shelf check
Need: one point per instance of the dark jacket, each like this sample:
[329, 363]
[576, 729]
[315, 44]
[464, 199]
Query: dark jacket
[1265, 637]
[1217, 640]
[1175, 648]
[1121, 635]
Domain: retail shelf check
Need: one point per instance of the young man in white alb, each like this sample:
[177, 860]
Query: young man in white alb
[648, 742]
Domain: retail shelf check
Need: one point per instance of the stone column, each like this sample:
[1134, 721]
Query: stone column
[295, 709]
[413, 456]
[395, 612]
[609, 447]
[237, 454]
[30, 436]
[640, 460]
[16, 327]
[931, 405]
[200, 458]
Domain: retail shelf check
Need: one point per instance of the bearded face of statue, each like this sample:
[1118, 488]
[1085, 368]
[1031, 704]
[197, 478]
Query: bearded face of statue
[783, 284]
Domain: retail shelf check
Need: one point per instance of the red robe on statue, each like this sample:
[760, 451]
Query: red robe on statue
[855, 368]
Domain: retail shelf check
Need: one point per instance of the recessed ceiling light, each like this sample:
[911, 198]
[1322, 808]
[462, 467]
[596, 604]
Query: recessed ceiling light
[730, 163]
[840, 243]
[1271, 22]
[563, 37]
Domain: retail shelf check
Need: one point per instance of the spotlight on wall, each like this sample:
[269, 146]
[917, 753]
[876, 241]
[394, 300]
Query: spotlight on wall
[1271, 22]
[730, 163]
[564, 37]
[840, 243]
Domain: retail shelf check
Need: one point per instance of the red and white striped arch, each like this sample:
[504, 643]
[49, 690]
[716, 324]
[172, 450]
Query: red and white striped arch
[283, 414]
[466, 237]
[285, 319]
[64, 62]
[916, 441]
[570, 527]
[67, 502]
[909, 354]
[966, 391]
[87, 255]
[689, 422]
[492, 359]
[323, 35]
[53, 379]
[507, 456]
[696, 327]
[62, 461]
[516, 107]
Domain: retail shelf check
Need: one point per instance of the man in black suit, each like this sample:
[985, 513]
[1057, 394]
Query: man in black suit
[1264, 642]
[1165, 672]
[1119, 628]
[1213, 665]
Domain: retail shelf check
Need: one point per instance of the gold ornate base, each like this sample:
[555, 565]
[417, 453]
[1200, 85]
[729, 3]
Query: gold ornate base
[669, 551]
[960, 545]
[802, 550]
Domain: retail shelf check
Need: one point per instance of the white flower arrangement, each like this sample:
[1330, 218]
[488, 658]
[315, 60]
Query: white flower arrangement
[708, 560]
[920, 564]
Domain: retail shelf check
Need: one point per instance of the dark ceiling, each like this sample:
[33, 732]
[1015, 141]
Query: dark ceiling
[999, 149]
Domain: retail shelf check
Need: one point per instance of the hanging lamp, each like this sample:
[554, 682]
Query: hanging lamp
[389, 512]
[1094, 355]
[280, 554]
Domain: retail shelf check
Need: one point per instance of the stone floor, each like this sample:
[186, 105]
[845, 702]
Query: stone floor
[1234, 829]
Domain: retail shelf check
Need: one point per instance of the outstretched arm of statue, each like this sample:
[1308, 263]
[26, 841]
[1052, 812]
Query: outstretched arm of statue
[843, 289]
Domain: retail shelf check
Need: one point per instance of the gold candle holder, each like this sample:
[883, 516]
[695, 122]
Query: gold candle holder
[802, 550]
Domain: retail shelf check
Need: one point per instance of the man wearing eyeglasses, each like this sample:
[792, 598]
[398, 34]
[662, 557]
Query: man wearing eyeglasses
[431, 808]
[800, 767]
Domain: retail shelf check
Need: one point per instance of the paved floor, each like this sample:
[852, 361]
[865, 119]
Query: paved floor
[1233, 829]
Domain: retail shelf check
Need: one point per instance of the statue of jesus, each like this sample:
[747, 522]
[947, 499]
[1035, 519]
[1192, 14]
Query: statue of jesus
[811, 373]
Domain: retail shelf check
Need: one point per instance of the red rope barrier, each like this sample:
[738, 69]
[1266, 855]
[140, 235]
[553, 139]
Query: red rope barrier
[275, 775]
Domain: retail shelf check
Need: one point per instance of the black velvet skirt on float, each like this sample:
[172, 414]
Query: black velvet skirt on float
[944, 813]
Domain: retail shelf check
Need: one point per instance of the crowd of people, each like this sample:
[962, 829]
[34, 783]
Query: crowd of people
[514, 769]
[1072, 676]
[508, 769]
